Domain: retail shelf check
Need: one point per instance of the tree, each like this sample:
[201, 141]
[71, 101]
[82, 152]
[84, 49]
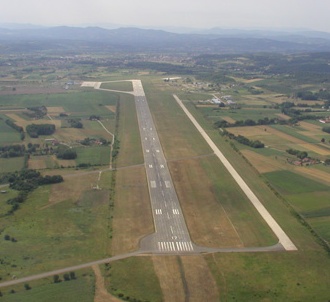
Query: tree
[326, 129]
[56, 279]
[323, 140]
[72, 275]
[66, 277]
[27, 286]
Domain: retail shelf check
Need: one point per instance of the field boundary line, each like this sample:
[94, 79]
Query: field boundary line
[278, 231]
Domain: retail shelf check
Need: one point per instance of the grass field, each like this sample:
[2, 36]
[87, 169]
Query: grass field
[63, 223]
[11, 164]
[301, 276]
[120, 86]
[186, 142]
[139, 282]
[129, 135]
[79, 289]
[185, 276]
[93, 155]
[7, 134]
[78, 104]
[309, 197]
[132, 210]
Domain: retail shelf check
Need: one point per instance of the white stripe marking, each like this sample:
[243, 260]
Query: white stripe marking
[173, 246]
[153, 184]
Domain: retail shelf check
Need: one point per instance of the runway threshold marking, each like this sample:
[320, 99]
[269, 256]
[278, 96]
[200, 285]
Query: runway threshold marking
[171, 246]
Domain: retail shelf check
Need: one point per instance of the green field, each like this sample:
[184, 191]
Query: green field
[214, 114]
[7, 134]
[93, 155]
[139, 282]
[11, 164]
[290, 183]
[128, 133]
[308, 197]
[78, 104]
[62, 234]
[120, 86]
[79, 289]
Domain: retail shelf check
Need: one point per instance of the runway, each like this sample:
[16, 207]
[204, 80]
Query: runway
[171, 233]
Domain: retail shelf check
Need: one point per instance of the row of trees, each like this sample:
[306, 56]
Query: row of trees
[12, 151]
[19, 129]
[298, 153]
[314, 96]
[248, 122]
[28, 180]
[245, 141]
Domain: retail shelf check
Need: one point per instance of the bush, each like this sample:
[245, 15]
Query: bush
[326, 129]
[67, 154]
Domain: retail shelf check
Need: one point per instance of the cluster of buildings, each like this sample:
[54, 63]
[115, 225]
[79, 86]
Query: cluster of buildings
[326, 120]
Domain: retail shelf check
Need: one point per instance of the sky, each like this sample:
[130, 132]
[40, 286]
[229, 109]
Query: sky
[277, 14]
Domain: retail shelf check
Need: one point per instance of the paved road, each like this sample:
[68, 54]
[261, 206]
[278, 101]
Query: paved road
[284, 240]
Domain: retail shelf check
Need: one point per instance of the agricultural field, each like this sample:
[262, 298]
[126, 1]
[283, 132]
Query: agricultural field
[97, 212]
[280, 169]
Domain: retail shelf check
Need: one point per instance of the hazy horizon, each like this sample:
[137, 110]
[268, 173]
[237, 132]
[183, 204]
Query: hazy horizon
[238, 14]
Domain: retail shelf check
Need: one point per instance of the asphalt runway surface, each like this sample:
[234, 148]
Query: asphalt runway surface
[171, 234]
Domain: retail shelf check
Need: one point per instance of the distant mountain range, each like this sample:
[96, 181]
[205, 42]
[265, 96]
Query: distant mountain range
[216, 40]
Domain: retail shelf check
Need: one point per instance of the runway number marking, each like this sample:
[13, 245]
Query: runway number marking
[176, 212]
[150, 166]
[167, 184]
[159, 211]
[162, 166]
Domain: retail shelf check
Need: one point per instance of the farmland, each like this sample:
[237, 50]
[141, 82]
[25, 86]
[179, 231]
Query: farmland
[97, 212]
